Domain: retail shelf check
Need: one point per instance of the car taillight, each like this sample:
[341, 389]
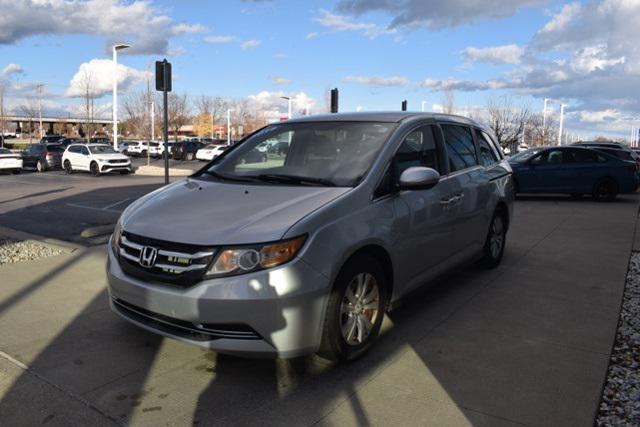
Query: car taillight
[49, 154]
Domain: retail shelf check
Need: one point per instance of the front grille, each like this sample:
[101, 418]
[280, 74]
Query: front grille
[175, 263]
[124, 162]
[183, 328]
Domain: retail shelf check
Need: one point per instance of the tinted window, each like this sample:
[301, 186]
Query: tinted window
[84, 150]
[102, 149]
[488, 155]
[496, 147]
[55, 148]
[418, 149]
[4, 151]
[460, 148]
[582, 156]
[553, 156]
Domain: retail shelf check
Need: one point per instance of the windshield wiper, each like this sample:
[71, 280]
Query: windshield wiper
[294, 179]
[229, 178]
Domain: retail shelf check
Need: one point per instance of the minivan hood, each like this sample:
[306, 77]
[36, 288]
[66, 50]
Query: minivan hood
[216, 213]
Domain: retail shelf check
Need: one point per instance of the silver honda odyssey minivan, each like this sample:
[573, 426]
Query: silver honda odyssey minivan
[299, 238]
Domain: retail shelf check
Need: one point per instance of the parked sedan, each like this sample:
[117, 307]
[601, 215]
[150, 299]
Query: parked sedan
[95, 158]
[43, 156]
[210, 152]
[576, 171]
[10, 162]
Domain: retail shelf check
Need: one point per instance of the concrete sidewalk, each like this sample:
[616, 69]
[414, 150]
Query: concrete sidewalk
[527, 343]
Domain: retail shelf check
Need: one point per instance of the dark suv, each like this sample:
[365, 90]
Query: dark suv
[51, 139]
[185, 150]
[43, 156]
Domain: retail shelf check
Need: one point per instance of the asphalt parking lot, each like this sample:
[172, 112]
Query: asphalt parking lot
[525, 344]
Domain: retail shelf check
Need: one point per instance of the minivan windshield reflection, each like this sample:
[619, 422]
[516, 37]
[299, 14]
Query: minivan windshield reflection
[322, 153]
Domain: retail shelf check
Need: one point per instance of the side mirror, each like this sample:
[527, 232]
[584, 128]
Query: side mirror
[419, 178]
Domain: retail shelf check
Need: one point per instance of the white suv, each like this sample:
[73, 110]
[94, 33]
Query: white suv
[95, 158]
[138, 148]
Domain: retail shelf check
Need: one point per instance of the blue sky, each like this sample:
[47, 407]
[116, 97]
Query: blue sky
[377, 52]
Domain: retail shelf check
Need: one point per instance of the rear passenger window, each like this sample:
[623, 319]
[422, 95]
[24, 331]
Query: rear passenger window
[488, 155]
[460, 148]
[418, 149]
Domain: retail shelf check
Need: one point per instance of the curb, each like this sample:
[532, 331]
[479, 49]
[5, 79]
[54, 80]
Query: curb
[64, 246]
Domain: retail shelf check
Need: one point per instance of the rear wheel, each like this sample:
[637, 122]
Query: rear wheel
[605, 190]
[67, 167]
[95, 169]
[40, 166]
[189, 156]
[355, 310]
[496, 239]
[16, 171]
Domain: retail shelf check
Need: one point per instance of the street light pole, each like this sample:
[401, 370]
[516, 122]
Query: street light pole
[229, 126]
[114, 76]
[212, 125]
[544, 122]
[422, 105]
[153, 130]
[561, 123]
[289, 102]
[40, 107]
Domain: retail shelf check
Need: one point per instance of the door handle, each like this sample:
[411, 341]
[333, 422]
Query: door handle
[446, 202]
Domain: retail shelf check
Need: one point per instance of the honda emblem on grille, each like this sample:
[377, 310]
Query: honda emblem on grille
[148, 256]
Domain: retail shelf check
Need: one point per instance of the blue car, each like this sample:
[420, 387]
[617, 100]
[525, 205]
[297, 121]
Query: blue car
[574, 171]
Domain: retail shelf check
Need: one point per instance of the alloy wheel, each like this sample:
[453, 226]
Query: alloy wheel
[496, 240]
[360, 308]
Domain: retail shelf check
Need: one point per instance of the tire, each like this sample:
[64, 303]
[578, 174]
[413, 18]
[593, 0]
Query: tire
[344, 335]
[143, 154]
[124, 172]
[95, 169]
[605, 190]
[41, 166]
[496, 241]
[67, 167]
[16, 171]
[189, 156]
[264, 158]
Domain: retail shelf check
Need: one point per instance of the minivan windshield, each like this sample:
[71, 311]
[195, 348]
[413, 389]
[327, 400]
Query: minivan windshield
[313, 153]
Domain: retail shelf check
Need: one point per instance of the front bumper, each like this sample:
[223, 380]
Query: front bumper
[112, 167]
[11, 164]
[284, 307]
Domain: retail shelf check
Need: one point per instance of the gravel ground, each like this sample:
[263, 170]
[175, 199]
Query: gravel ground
[620, 404]
[17, 251]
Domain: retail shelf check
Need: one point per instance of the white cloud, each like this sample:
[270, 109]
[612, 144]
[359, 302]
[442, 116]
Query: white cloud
[600, 116]
[344, 23]
[378, 81]
[507, 54]
[274, 107]
[280, 55]
[135, 22]
[312, 35]
[279, 80]
[12, 69]
[96, 75]
[250, 44]
[220, 39]
[184, 28]
[436, 14]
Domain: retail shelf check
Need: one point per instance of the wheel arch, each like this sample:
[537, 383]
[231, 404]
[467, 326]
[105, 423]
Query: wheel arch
[383, 258]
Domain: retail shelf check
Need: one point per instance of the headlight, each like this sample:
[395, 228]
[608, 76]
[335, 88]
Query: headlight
[233, 261]
[115, 238]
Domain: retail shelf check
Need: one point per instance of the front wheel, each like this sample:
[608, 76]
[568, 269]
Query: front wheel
[355, 310]
[95, 169]
[40, 166]
[605, 190]
[189, 156]
[495, 243]
[67, 167]
[16, 171]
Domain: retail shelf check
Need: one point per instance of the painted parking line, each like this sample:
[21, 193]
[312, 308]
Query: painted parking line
[116, 204]
[94, 208]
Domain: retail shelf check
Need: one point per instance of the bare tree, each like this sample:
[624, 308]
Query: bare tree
[541, 132]
[507, 121]
[89, 94]
[29, 109]
[3, 122]
[177, 111]
[137, 112]
[449, 100]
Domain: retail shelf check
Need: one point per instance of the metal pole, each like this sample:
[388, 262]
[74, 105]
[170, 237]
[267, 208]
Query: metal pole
[165, 100]
[422, 105]
[289, 115]
[153, 131]
[115, 98]
[40, 107]
[228, 127]
[561, 123]
[212, 126]
[544, 122]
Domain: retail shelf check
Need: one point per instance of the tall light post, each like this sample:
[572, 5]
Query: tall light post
[229, 125]
[544, 122]
[212, 125]
[153, 130]
[40, 86]
[289, 101]
[422, 104]
[561, 123]
[115, 50]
